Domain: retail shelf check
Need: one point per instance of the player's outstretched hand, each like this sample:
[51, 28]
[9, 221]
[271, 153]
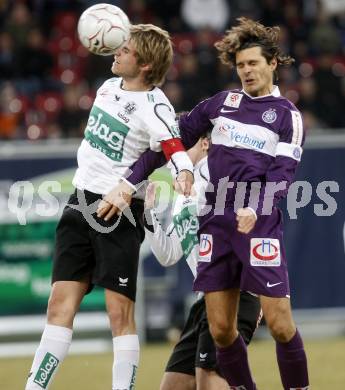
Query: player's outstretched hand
[150, 196]
[246, 219]
[115, 201]
[184, 182]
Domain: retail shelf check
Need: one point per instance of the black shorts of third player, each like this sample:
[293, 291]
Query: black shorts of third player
[84, 251]
[196, 347]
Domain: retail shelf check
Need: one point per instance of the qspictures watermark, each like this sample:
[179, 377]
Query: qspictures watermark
[45, 201]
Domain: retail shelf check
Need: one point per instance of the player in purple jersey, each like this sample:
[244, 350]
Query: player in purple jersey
[257, 137]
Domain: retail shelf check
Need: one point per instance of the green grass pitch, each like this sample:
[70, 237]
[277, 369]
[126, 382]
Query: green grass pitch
[93, 372]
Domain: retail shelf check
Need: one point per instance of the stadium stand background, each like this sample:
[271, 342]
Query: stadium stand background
[48, 80]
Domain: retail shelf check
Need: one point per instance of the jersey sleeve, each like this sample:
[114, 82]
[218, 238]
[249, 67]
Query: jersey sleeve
[198, 121]
[162, 125]
[165, 135]
[142, 168]
[165, 245]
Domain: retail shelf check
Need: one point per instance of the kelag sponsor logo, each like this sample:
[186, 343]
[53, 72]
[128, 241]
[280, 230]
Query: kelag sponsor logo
[105, 133]
[46, 370]
[186, 224]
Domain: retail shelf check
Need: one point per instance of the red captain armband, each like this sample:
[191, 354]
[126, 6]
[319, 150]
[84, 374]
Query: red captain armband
[171, 146]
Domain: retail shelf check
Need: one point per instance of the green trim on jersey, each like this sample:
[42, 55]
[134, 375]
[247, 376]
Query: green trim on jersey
[150, 97]
[186, 224]
[105, 133]
[175, 131]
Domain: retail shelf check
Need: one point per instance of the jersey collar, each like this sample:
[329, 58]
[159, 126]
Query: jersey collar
[275, 92]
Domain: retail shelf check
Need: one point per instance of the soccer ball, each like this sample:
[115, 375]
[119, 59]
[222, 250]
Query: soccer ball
[103, 28]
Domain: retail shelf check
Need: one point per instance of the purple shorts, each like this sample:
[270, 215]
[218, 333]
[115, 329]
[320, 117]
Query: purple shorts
[253, 262]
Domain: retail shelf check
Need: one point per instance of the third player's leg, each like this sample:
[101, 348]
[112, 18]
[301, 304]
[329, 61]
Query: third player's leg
[249, 315]
[222, 307]
[209, 380]
[177, 381]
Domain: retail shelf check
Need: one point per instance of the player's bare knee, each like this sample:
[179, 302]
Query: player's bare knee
[60, 311]
[281, 330]
[177, 381]
[209, 380]
[222, 332]
[121, 317]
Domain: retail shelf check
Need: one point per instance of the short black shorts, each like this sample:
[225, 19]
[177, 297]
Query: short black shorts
[196, 347]
[84, 251]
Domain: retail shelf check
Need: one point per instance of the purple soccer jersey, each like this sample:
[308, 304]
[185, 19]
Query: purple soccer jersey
[256, 143]
[254, 140]
[256, 147]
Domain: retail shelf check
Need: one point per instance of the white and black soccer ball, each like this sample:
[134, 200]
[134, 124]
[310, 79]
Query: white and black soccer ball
[103, 28]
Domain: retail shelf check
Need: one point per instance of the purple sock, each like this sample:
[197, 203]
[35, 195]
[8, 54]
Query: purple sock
[292, 363]
[234, 366]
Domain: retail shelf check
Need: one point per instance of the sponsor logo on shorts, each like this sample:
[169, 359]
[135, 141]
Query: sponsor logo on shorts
[265, 252]
[123, 282]
[203, 356]
[46, 370]
[205, 247]
[238, 387]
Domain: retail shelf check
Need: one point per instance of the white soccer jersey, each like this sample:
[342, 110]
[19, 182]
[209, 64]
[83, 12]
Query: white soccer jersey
[180, 238]
[121, 126]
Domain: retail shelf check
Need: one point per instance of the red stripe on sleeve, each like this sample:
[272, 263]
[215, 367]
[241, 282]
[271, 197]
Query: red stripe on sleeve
[171, 146]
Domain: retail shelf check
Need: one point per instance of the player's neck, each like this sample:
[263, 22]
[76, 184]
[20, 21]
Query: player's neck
[135, 85]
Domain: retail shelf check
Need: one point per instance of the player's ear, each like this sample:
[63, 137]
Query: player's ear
[205, 144]
[273, 64]
[146, 67]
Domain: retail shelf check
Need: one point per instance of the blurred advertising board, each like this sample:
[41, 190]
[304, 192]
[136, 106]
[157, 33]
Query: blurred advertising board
[314, 217]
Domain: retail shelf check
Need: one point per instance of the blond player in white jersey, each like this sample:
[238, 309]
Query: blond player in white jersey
[130, 115]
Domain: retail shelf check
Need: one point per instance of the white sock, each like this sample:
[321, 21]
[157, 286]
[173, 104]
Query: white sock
[53, 348]
[126, 359]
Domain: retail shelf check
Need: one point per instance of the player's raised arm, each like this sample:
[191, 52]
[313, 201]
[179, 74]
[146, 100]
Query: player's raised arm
[165, 244]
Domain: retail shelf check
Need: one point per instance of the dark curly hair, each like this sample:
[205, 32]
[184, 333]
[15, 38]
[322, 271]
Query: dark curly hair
[249, 33]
